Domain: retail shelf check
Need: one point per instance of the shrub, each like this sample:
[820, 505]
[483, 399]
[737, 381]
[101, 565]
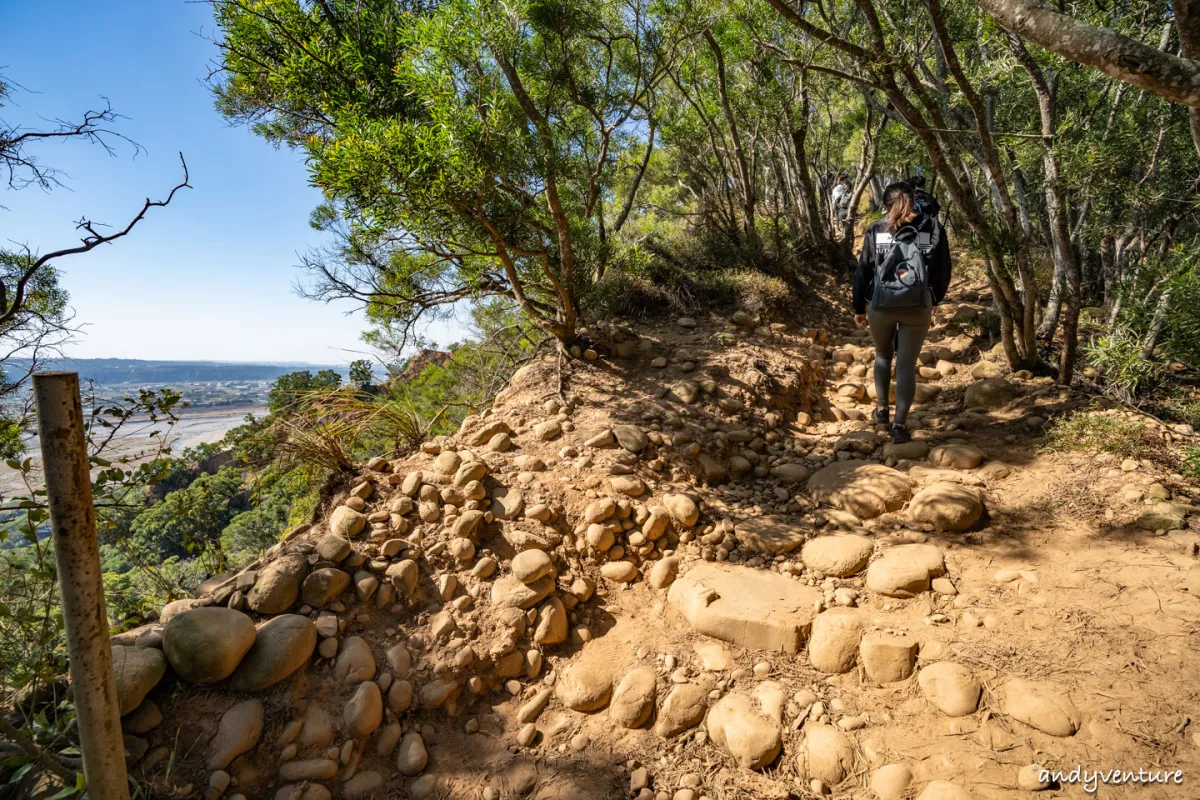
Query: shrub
[667, 288]
[1189, 465]
[1118, 359]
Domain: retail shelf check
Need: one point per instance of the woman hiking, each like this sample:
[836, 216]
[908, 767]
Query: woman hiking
[903, 272]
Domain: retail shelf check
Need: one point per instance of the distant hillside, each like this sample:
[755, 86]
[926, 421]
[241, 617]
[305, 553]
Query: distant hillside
[417, 364]
[107, 371]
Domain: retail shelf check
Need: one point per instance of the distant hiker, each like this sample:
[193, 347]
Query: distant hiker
[927, 204]
[841, 198]
[903, 272]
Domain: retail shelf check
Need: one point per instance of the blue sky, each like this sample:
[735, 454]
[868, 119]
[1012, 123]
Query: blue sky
[210, 276]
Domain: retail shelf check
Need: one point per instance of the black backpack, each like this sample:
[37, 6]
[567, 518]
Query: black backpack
[927, 204]
[901, 269]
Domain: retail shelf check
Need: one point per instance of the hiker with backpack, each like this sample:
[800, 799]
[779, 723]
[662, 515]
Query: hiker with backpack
[927, 204]
[903, 272]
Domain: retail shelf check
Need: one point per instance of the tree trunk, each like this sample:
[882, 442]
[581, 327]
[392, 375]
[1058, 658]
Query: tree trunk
[1056, 209]
[1128, 60]
[745, 172]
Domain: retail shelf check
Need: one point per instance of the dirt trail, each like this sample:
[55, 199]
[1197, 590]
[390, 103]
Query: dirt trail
[978, 604]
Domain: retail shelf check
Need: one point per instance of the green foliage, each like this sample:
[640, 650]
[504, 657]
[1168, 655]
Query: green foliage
[1189, 465]
[465, 146]
[1165, 292]
[1101, 432]
[362, 373]
[189, 521]
[291, 387]
[1117, 356]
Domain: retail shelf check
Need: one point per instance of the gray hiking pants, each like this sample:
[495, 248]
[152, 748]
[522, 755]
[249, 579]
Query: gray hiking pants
[900, 334]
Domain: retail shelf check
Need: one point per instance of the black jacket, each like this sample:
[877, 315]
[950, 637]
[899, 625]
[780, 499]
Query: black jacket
[938, 261]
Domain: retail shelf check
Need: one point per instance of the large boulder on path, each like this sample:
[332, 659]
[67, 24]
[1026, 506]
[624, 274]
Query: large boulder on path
[747, 724]
[839, 554]
[905, 570]
[751, 608]
[1041, 705]
[826, 754]
[205, 645]
[278, 585]
[137, 670]
[989, 393]
[946, 506]
[950, 687]
[833, 643]
[282, 645]
[864, 489]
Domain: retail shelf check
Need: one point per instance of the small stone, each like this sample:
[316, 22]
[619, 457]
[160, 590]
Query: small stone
[834, 641]
[943, 790]
[619, 571]
[887, 657]
[950, 687]
[530, 565]
[1029, 778]
[633, 699]
[364, 711]
[281, 646]
[664, 572]
[682, 710]
[891, 781]
[946, 506]
[527, 735]
[238, 732]
[1041, 705]
[838, 555]
[584, 686]
[826, 754]
[533, 708]
[748, 724]
[631, 437]
[905, 570]
[411, 755]
[137, 670]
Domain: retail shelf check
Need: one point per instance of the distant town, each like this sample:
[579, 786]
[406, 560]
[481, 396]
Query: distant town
[211, 385]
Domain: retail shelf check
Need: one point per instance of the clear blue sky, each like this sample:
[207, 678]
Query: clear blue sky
[210, 276]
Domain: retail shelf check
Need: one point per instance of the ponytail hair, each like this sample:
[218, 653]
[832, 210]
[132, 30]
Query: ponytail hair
[898, 200]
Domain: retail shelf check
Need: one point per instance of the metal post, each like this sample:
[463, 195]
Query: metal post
[76, 550]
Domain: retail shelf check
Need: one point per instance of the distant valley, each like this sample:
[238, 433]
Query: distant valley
[204, 384]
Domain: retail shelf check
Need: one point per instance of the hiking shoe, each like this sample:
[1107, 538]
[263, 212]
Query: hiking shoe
[880, 416]
[900, 434]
